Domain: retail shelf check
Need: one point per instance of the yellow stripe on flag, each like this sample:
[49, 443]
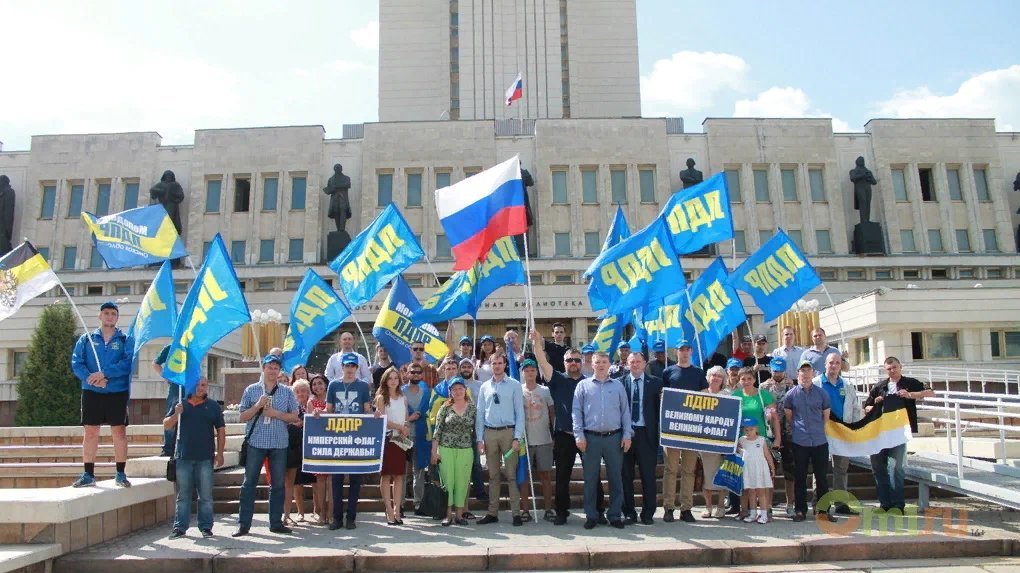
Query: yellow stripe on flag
[29, 269]
[888, 421]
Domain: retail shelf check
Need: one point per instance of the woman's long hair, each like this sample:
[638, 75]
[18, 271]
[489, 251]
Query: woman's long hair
[382, 394]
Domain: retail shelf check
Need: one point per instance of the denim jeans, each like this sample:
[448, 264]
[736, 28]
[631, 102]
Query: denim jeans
[192, 474]
[353, 491]
[170, 436]
[277, 472]
[890, 490]
[609, 450]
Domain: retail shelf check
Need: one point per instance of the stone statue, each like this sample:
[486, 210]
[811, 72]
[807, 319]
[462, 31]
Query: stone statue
[169, 193]
[528, 181]
[338, 187]
[691, 176]
[6, 215]
[862, 179]
[1016, 182]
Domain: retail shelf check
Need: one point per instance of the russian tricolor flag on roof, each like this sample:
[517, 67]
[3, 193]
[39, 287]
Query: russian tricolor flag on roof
[515, 91]
[480, 210]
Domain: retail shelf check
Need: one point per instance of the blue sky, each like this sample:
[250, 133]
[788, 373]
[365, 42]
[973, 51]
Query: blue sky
[172, 67]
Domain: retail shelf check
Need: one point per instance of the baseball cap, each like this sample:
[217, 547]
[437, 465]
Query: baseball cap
[745, 339]
[804, 363]
[349, 358]
[748, 422]
[272, 358]
[587, 349]
[734, 363]
[777, 364]
[464, 361]
[109, 304]
[465, 340]
[659, 346]
[623, 344]
[488, 338]
[761, 338]
[684, 343]
[527, 362]
[456, 380]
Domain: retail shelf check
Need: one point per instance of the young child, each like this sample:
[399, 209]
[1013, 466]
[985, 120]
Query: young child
[759, 471]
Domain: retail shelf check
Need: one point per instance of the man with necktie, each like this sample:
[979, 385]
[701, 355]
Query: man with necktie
[645, 397]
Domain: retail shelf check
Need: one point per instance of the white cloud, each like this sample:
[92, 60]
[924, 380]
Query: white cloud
[784, 102]
[367, 36]
[988, 94]
[690, 82]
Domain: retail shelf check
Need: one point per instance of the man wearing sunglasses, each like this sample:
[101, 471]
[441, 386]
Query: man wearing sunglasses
[428, 372]
[499, 427]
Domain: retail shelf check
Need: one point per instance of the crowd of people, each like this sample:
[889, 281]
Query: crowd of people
[568, 403]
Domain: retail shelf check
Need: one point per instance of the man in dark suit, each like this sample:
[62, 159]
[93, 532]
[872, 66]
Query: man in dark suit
[645, 394]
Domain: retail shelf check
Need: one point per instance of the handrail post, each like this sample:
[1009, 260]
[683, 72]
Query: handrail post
[1002, 429]
[959, 444]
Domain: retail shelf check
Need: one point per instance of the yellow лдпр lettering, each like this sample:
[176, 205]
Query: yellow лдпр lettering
[696, 212]
[343, 425]
[313, 304]
[378, 251]
[775, 272]
[708, 306]
[207, 297]
[631, 269]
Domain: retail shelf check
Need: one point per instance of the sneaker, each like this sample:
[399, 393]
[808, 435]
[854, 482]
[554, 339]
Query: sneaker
[207, 533]
[720, 512]
[517, 521]
[789, 510]
[550, 515]
[176, 534]
[560, 520]
[488, 519]
[763, 518]
[686, 516]
[751, 518]
[84, 480]
[121, 480]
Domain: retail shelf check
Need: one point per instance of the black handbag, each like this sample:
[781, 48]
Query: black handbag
[434, 498]
[171, 470]
[242, 458]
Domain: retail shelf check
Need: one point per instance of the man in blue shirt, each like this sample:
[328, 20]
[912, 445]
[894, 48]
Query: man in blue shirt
[602, 431]
[683, 376]
[499, 429]
[105, 391]
[807, 407]
[820, 350]
[845, 407]
[267, 408]
[199, 420]
[348, 395]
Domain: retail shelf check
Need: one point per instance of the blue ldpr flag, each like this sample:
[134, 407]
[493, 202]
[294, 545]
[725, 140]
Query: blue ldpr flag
[512, 368]
[135, 237]
[714, 311]
[215, 307]
[315, 312]
[618, 230]
[157, 315]
[609, 332]
[662, 322]
[776, 276]
[730, 474]
[377, 255]
[699, 216]
[395, 330]
[638, 270]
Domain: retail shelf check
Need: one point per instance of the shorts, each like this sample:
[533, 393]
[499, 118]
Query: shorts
[541, 457]
[101, 409]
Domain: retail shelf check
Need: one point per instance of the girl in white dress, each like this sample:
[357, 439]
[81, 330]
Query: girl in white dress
[759, 471]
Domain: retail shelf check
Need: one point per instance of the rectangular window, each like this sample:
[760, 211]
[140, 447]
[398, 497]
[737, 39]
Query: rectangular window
[862, 350]
[266, 247]
[563, 279]
[237, 252]
[537, 278]
[963, 241]
[899, 185]
[827, 274]
[981, 185]
[95, 259]
[761, 186]
[44, 252]
[130, 195]
[442, 179]
[991, 242]
[414, 189]
[939, 273]
[911, 273]
[291, 284]
[592, 245]
[562, 244]
[934, 345]
[471, 171]
[103, 200]
[266, 285]
[94, 290]
[935, 241]
[966, 273]
[927, 184]
[296, 251]
[443, 250]
[855, 275]
[795, 236]
[733, 184]
[907, 238]
[49, 200]
[559, 187]
[883, 274]
[953, 179]
[817, 185]
[1005, 343]
[994, 273]
[618, 185]
[589, 186]
[270, 191]
[18, 363]
[181, 287]
[789, 184]
[739, 242]
[824, 241]
[212, 195]
[764, 236]
[385, 195]
[74, 204]
[242, 194]
[121, 289]
[298, 188]
[70, 254]
[414, 281]
[646, 181]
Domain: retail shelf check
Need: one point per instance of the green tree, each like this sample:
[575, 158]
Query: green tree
[48, 392]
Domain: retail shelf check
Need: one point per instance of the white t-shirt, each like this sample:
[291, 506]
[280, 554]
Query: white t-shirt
[335, 370]
[396, 411]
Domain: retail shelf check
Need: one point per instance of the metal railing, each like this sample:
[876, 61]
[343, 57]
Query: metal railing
[945, 378]
[960, 404]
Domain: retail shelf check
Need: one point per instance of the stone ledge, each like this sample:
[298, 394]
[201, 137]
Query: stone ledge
[76, 431]
[155, 466]
[15, 557]
[66, 504]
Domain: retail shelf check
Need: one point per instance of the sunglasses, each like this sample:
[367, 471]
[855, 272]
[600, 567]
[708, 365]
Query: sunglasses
[420, 349]
[415, 372]
[495, 399]
[571, 359]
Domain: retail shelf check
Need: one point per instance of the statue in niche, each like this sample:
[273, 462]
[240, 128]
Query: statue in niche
[338, 187]
[1016, 182]
[862, 179]
[691, 176]
[169, 193]
[529, 182]
[7, 196]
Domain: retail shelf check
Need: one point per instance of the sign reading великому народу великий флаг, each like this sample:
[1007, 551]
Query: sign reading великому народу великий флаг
[699, 421]
[343, 443]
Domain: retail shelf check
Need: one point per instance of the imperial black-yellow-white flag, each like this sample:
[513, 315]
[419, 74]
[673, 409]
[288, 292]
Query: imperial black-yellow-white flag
[24, 275]
[885, 426]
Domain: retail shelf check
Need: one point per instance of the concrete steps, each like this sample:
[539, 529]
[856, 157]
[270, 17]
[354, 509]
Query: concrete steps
[70, 453]
[60, 474]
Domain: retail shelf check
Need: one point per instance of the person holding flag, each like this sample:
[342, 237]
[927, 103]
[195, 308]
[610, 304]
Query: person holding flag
[102, 361]
[539, 412]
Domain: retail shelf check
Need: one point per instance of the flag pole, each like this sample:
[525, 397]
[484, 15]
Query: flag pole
[431, 268]
[530, 315]
[842, 333]
[343, 297]
[474, 336]
[81, 319]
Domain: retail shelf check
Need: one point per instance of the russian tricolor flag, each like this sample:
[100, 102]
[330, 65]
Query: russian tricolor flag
[515, 91]
[480, 210]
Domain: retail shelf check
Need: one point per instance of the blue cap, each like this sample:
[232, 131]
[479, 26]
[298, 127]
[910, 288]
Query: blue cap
[465, 340]
[488, 338]
[456, 380]
[748, 422]
[109, 304]
[349, 358]
[659, 346]
[587, 349]
[734, 363]
[777, 364]
[527, 362]
[272, 358]
[623, 344]
[684, 343]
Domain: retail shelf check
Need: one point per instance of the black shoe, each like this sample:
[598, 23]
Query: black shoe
[687, 517]
[798, 517]
[667, 516]
[589, 524]
[207, 533]
[334, 525]
[603, 520]
[176, 534]
[630, 519]
[350, 524]
[241, 532]
[618, 523]
[482, 496]
[419, 513]
[647, 521]
[844, 509]
[560, 520]
[402, 514]
[733, 511]
[518, 521]
[281, 529]
[828, 516]
[488, 519]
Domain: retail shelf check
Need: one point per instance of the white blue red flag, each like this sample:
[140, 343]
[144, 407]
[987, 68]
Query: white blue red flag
[515, 91]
